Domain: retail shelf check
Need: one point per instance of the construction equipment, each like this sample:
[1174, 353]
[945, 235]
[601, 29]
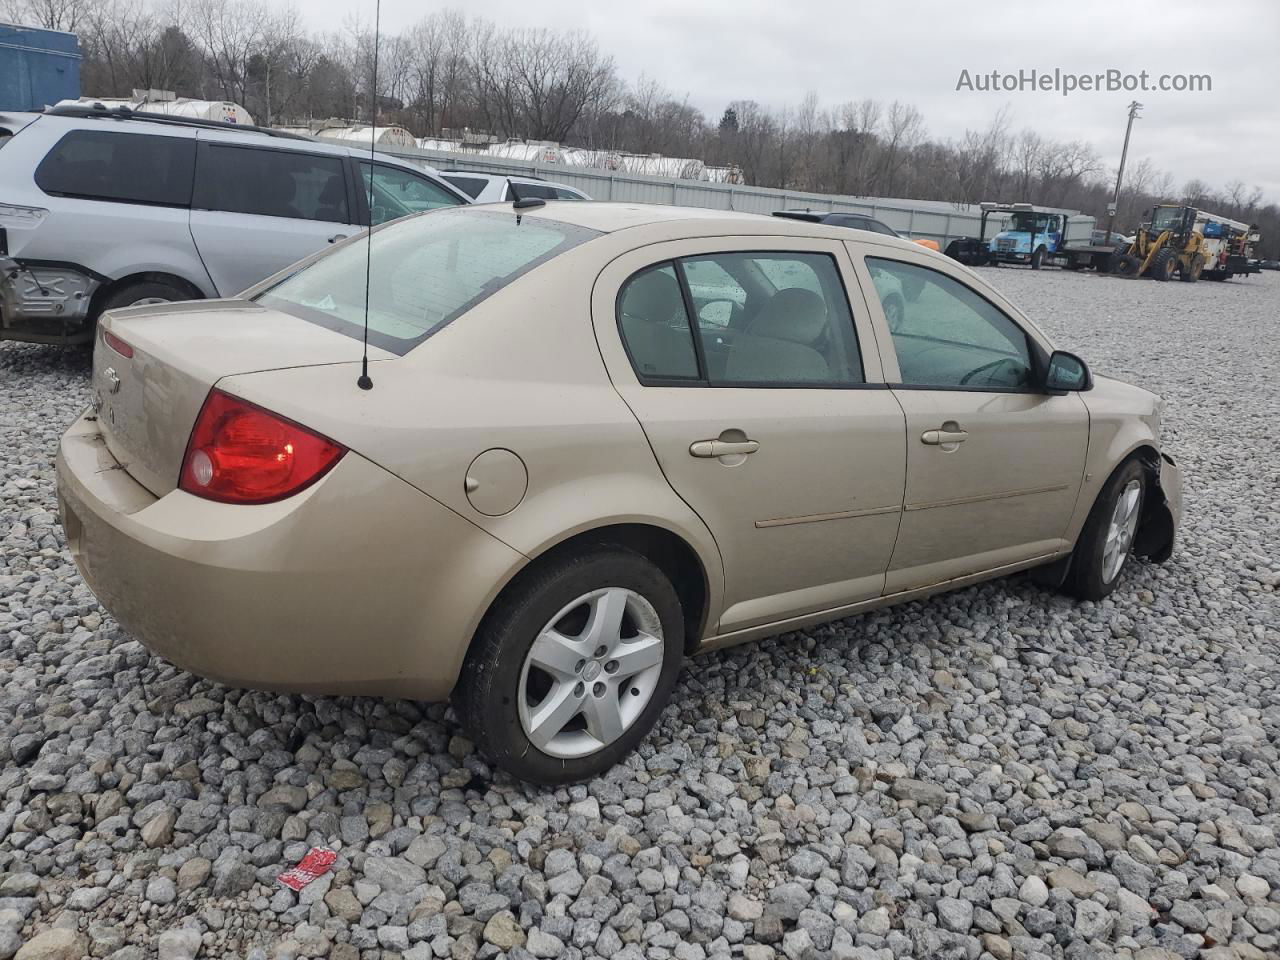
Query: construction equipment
[1189, 243]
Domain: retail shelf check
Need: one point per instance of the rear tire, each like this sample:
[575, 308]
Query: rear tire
[1106, 542]
[1190, 272]
[144, 292]
[507, 687]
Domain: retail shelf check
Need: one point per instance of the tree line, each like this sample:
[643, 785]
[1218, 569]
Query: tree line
[449, 72]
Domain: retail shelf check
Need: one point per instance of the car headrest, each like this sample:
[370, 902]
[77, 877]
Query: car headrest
[654, 296]
[793, 314]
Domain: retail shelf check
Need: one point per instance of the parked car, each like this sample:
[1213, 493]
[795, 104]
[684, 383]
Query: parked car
[500, 188]
[1271, 264]
[105, 209]
[855, 221]
[562, 478]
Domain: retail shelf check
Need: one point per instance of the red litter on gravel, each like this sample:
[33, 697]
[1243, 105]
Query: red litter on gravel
[316, 863]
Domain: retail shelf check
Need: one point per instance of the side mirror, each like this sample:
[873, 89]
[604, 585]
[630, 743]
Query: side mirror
[1067, 373]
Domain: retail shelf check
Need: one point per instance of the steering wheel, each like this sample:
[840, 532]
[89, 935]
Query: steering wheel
[994, 364]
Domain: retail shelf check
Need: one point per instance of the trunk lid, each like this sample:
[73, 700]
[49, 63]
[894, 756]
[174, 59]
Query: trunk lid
[148, 403]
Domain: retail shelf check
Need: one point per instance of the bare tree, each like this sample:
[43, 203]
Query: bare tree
[50, 14]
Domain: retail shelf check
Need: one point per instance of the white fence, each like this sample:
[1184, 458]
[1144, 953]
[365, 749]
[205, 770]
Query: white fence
[932, 219]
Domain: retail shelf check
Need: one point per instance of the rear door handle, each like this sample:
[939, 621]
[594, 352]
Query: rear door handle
[939, 437]
[722, 448]
[337, 236]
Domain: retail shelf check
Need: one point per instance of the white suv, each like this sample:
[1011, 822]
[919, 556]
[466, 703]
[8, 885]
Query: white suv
[500, 188]
[109, 208]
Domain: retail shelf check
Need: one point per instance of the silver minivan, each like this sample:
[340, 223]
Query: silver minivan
[111, 208]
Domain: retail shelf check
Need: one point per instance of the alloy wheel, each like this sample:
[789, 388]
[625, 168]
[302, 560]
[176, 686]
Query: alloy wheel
[1120, 531]
[590, 672]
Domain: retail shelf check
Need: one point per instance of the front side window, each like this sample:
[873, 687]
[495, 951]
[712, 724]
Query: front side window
[423, 273]
[394, 193]
[947, 335]
[272, 183]
[122, 167]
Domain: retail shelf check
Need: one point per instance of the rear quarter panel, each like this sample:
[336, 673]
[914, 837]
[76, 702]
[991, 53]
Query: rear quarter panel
[521, 372]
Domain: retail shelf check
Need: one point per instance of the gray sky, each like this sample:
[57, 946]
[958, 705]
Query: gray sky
[716, 51]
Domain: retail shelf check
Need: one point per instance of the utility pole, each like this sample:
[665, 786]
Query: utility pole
[1115, 201]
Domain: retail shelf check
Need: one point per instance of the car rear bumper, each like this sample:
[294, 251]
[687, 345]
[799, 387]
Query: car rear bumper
[359, 585]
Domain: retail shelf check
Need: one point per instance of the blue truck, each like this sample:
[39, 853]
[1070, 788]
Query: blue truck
[1034, 236]
[37, 67]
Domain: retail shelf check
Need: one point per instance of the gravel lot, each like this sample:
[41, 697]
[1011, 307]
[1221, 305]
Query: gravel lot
[994, 773]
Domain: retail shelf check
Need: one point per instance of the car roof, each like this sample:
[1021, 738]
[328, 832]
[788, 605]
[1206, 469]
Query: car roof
[608, 217]
[165, 125]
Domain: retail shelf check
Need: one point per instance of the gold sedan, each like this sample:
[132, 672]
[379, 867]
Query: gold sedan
[595, 438]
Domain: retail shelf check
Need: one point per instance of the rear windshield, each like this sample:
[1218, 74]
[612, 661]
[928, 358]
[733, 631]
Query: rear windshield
[425, 272]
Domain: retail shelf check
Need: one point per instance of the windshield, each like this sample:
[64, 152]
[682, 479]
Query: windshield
[1166, 217]
[1025, 222]
[426, 271]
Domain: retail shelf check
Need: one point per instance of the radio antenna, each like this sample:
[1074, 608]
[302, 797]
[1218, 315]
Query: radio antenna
[364, 382]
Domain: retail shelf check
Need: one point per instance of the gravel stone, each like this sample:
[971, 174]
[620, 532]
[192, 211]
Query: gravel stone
[997, 770]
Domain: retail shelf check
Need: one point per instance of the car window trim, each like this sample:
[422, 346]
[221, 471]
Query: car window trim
[1039, 358]
[95, 198]
[204, 147]
[703, 378]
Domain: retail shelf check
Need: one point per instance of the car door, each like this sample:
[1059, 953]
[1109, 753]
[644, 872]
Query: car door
[768, 414]
[994, 463]
[257, 209]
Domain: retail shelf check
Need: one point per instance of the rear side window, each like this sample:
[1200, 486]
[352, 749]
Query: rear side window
[425, 272]
[770, 319]
[655, 326]
[471, 186]
[272, 183]
[122, 167]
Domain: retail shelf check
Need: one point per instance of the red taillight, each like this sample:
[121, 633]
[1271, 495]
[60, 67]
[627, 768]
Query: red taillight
[116, 344]
[240, 453]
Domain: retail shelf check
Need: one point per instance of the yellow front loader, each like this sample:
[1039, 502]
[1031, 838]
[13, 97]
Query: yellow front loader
[1169, 244]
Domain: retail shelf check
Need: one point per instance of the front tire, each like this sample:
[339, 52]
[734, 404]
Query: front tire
[1163, 265]
[1037, 258]
[1106, 542]
[573, 666]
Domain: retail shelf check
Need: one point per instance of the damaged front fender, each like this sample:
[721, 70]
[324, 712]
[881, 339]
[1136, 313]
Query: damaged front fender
[1162, 513]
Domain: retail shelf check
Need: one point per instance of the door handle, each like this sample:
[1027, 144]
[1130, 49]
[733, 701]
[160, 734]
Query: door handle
[710, 449]
[940, 437]
[337, 236]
